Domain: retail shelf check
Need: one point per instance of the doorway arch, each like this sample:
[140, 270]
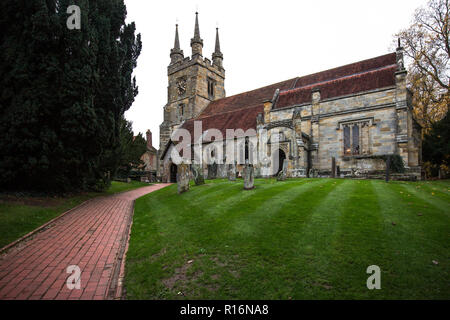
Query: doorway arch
[173, 173]
[281, 158]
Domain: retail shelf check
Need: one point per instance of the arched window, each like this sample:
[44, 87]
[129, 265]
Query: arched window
[181, 110]
[355, 139]
[347, 146]
[246, 150]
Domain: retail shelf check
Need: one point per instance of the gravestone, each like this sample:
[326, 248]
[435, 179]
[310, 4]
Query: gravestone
[197, 171]
[315, 173]
[183, 174]
[212, 171]
[283, 173]
[231, 172]
[222, 171]
[249, 179]
[257, 172]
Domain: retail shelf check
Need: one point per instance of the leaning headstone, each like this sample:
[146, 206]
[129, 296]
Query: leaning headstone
[231, 172]
[212, 171]
[183, 173]
[283, 173]
[249, 179]
[197, 171]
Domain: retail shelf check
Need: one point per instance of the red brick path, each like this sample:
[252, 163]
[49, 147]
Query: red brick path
[93, 237]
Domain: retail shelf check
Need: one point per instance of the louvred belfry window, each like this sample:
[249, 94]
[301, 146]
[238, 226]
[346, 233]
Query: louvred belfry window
[211, 90]
[182, 109]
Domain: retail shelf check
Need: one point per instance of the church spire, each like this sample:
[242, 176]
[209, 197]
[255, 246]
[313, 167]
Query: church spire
[196, 42]
[217, 55]
[176, 54]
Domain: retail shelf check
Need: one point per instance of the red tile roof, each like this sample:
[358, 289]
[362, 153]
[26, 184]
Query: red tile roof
[373, 79]
[350, 69]
[244, 118]
[245, 99]
[240, 111]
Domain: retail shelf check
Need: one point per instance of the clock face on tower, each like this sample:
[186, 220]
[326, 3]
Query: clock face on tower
[181, 86]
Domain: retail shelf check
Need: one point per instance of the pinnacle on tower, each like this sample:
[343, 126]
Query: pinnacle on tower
[400, 59]
[176, 54]
[217, 55]
[196, 42]
[176, 45]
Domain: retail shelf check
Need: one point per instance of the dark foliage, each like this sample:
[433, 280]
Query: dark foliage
[63, 92]
[436, 146]
[396, 164]
[131, 150]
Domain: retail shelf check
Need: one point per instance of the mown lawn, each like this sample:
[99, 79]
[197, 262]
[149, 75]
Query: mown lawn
[21, 215]
[299, 239]
[117, 187]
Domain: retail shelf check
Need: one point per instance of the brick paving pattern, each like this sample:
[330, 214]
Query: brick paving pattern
[92, 237]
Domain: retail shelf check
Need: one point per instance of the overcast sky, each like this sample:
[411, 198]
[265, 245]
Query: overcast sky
[263, 42]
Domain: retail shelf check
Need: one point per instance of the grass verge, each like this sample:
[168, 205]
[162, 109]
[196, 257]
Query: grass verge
[21, 215]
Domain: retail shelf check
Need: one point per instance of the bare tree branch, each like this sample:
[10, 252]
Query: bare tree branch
[427, 53]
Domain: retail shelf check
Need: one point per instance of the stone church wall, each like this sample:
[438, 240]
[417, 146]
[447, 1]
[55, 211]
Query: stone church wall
[379, 136]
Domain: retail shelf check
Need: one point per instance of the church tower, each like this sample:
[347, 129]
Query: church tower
[193, 83]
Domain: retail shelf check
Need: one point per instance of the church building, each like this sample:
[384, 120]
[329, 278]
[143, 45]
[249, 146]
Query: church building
[349, 117]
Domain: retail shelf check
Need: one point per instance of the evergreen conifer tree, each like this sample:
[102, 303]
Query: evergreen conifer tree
[63, 92]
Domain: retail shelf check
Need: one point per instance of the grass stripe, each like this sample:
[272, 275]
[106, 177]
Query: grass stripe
[296, 248]
[407, 274]
[356, 242]
[432, 197]
[262, 236]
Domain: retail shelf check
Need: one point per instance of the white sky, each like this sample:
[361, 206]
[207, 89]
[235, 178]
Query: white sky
[263, 42]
